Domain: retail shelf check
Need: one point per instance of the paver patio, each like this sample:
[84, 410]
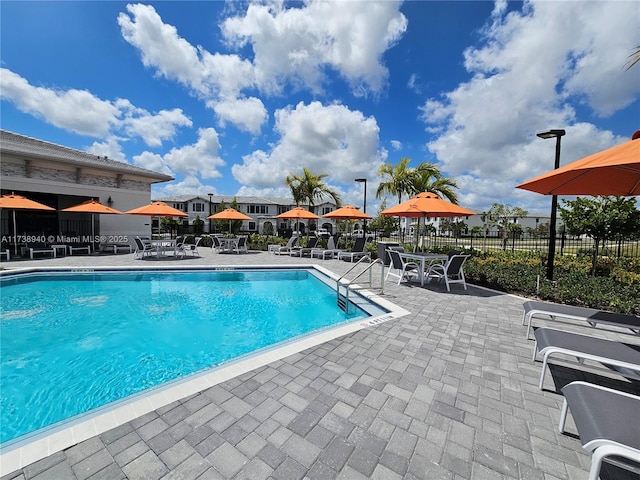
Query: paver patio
[446, 392]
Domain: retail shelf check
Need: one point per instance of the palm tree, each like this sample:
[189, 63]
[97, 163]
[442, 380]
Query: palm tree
[310, 188]
[633, 58]
[427, 178]
[397, 179]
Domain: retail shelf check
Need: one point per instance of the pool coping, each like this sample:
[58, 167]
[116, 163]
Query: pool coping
[26, 450]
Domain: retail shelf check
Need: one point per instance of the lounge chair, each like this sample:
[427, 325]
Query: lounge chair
[241, 245]
[179, 249]
[6, 254]
[623, 357]
[357, 252]
[331, 251]
[115, 247]
[143, 248]
[38, 247]
[79, 248]
[399, 268]
[593, 317]
[608, 423]
[284, 250]
[304, 251]
[450, 272]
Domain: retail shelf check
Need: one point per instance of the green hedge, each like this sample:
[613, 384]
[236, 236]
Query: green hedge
[616, 286]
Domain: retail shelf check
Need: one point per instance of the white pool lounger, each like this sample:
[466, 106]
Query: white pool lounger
[623, 357]
[533, 309]
[607, 422]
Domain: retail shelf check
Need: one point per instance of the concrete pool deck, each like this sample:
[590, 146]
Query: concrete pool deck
[448, 391]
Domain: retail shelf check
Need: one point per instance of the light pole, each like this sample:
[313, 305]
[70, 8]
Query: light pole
[557, 134]
[210, 212]
[364, 180]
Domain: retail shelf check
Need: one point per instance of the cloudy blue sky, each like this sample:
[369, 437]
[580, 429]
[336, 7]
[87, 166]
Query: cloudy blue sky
[229, 98]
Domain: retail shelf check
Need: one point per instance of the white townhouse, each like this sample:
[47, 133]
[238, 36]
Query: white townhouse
[262, 210]
[61, 177]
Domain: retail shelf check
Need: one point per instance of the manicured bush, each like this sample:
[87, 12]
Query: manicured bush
[616, 289]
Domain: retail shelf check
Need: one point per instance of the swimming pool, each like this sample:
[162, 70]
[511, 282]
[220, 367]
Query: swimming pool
[73, 342]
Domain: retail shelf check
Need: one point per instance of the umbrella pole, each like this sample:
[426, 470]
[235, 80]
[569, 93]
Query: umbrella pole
[15, 234]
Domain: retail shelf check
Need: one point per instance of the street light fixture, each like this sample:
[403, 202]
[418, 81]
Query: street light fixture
[210, 212]
[557, 134]
[364, 180]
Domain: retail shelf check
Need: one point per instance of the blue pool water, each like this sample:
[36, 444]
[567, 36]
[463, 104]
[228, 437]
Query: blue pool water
[71, 343]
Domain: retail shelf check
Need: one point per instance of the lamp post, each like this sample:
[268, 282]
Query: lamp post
[210, 212]
[364, 180]
[557, 134]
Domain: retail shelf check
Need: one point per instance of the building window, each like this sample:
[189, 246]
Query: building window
[326, 210]
[261, 209]
[252, 225]
[282, 209]
[197, 207]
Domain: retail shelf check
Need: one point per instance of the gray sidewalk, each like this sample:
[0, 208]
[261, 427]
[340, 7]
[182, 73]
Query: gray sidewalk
[447, 392]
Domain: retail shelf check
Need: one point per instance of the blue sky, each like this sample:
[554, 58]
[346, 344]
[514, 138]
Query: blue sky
[229, 98]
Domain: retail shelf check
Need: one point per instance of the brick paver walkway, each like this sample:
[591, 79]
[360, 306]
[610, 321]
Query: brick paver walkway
[447, 392]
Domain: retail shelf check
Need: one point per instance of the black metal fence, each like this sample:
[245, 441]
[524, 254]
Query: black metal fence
[493, 241]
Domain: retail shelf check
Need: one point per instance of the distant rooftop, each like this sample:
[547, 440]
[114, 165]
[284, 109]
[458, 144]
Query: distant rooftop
[17, 144]
[255, 200]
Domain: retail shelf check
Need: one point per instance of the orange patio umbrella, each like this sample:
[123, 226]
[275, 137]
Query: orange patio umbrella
[427, 204]
[92, 206]
[297, 214]
[614, 171]
[157, 209]
[18, 202]
[348, 212]
[229, 214]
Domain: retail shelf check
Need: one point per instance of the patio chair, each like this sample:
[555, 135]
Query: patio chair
[331, 251]
[143, 248]
[622, 357]
[39, 247]
[608, 424]
[193, 247]
[450, 272]
[282, 250]
[215, 243]
[357, 252]
[592, 316]
[179, 249]
[399, 268]
[241, 245]
[304, 251]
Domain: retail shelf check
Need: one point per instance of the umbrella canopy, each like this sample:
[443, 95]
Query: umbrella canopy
[348, 212]
[157, 209]
[298, 214]
[18, 202]
[229, 214]
[92, 206]
[614, 171]
[427, 204]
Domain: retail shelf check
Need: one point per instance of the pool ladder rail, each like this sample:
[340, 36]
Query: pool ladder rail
[343, 286]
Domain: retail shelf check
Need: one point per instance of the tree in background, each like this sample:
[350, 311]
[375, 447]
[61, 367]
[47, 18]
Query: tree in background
[309, 188]
[428, 178]
[602, 219]
[383, 223]
[502, 216]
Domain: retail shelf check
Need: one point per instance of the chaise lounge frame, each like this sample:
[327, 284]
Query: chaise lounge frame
[607, 421]
[623, 357]
[593, 317]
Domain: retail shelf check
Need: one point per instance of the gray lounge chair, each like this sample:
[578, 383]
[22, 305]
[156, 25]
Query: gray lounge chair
[330, 252]
[358, 251]
[281, 250]
[304, 251]
[533, 309]
[624, 358]
[608, 423]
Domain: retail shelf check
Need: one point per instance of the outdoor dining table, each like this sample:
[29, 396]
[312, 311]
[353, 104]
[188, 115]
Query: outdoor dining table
[164, 244]
[228, 244]
[425, 260]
